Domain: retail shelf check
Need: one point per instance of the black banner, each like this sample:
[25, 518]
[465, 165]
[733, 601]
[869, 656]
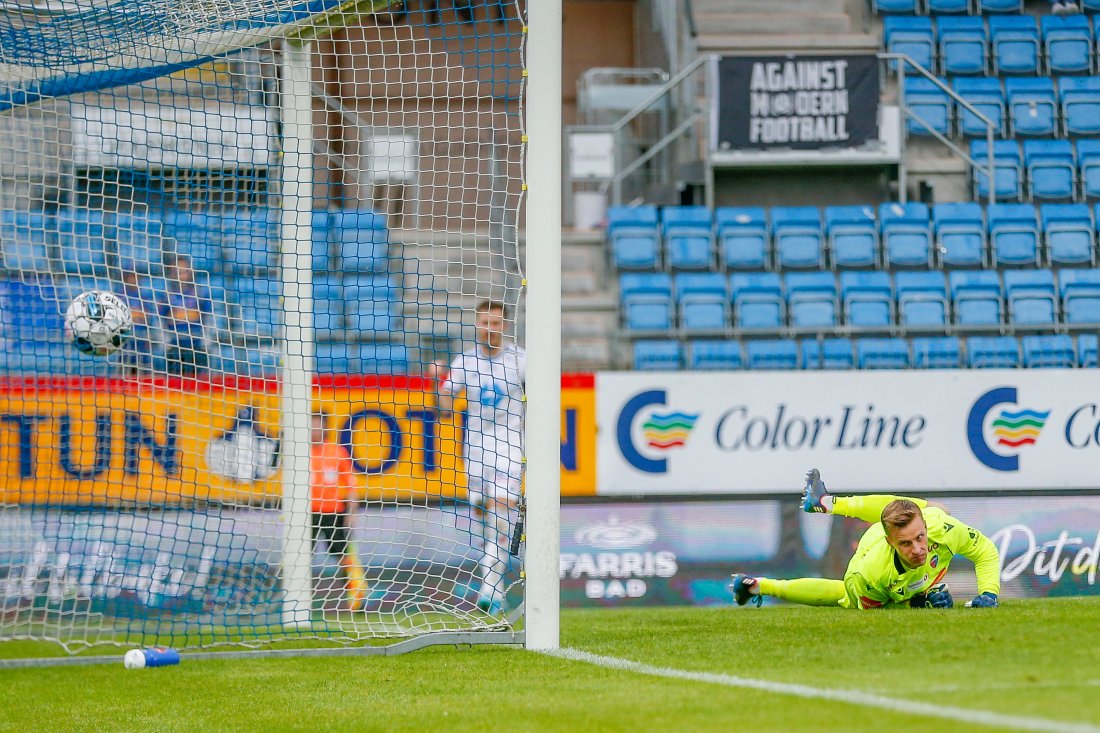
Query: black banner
[797, 102]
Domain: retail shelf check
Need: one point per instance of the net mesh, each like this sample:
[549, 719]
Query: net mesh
[143, 152]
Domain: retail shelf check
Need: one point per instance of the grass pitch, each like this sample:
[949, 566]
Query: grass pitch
[1038, 661]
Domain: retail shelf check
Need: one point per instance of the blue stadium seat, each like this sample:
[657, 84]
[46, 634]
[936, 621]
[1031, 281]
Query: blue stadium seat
[1088, 166]
[703, 301]
[1067, 43]
[910, 7]
[1080, 100]
[959, 229]
[1048, 351]
[328, 306]
[1080, 293]
[361, 239]
[370, 303]
[937, 352]
[1008, 173]
[380, 357]
[688, 233]
[772, 354]
[634, 237]
[942, 7]
[25, 238]
[140, 242]
[811, 299]
[1032, 107]
[809, 353]
[31, 310]
[742, 237]
[987, 96]
[931, 106]
[976, 297]
[251, 239]
[992, 352]
[797, 236]
[963, 44]
[657, 355]
[868, 299]
[1014, 44]
[1086, 350]
[322, 238]
[1069, 234]
[1013, 234]
[82, 236]
[258, 298]
[906, 234]
[882, 353]
[757, 300]
[853, 236]
[922, 298]
[709, 355]
[196, 234]
[1031, 297]
[333, 357]
[1051, 170]
[910, 36]
[1000, 6]
[837, 354]
[646, 301]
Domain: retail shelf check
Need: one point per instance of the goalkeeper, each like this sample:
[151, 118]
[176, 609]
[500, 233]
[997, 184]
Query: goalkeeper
[900, 561]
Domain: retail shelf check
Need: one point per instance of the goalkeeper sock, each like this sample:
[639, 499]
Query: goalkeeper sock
[807, 591]
[355, 582]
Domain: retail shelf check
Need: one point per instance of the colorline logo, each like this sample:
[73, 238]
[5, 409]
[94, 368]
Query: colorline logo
[661, 430]
[668, 430]
[1011, 428]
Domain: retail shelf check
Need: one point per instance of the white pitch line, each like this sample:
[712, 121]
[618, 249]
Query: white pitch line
[852, 697]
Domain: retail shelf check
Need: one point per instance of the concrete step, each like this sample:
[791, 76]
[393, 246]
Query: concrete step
[736, 44]
[768, 6]
[582, 355]
[591, 324]
[751, 24]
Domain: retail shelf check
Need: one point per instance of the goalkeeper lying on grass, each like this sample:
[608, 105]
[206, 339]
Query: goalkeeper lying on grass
[900, 560]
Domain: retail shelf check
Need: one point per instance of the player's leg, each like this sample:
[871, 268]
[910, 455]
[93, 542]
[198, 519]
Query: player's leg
[816, 498]
[501, 499]
[807, 591]
[355, 583]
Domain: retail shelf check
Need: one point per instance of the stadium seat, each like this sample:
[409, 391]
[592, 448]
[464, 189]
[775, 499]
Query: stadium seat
[1067, 43]
[853, 236]
[1008, 173]
[922, 299]
[811, 299]
[1000, 6]
[688, 233]
[936, 352]
[634, 237]
[987, 96]
[809, 353]
[913, 37]
[910, 7]
[1088, 166]
[1086, 350]
[959, 229]
[1032, 108]
[963, 45]
[771, 354]
[1014, 44]
[25, 238]
[328, 306]
[82, 236]
[992, 352]
[1031, 297]
[250, 239]
[1080, 105]
[742, 237]
[196, 234]
[837, 354]
[258, 298]
[139, 239]
[1013, 234]
[976, 297]
[322, 237]
[709, 355]
[32, 311]
[1069, 234]
[868, 299]
[882, 353]
[942, 7]
[333, 357]
[657, 354]
[1048, 351]
[370, 303]
[797, 236]
[361, 239]
[757, 300]
[703, 301]
[1051, 170]
[929, 104]
[906, 234]
[1080, 294]
[646, 301]
[379, 357]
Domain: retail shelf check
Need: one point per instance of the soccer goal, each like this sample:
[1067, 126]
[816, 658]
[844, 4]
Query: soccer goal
[331, 426]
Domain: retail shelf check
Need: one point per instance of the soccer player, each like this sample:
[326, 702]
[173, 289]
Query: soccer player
[492, 374]
[330, 485]
[900, 561]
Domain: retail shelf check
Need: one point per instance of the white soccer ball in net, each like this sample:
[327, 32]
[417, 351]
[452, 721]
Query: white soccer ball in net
[98, 322]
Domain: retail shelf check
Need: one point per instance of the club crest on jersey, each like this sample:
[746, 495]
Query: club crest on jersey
[934, 561]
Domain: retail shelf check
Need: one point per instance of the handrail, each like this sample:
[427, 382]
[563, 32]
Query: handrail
[661, 91]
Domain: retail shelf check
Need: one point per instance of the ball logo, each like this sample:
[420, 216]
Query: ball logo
[661, 431]
[1011, 428]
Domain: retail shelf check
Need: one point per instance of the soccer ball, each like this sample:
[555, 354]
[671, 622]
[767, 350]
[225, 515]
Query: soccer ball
[98, 322]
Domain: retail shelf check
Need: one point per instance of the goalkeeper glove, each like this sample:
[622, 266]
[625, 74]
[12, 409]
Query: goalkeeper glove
[984, 600]
[937, 597]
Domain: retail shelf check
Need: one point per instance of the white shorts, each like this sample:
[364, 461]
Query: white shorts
[494, 476]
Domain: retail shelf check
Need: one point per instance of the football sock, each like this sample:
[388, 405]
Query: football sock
[807, 591]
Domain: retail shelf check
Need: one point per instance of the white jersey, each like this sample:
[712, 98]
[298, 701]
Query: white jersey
[494, 412]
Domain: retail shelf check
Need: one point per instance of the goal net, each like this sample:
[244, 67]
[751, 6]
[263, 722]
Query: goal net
[315, 428]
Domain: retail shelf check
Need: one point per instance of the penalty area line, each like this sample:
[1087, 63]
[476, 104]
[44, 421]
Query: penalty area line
[852, 697]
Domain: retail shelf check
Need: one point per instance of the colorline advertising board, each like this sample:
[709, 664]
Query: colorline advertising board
[731, 432]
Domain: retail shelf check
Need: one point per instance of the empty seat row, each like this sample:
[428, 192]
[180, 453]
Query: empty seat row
[973, 7]
[873, 300]
[1007, 44]
[1037, 170]
[931, 352]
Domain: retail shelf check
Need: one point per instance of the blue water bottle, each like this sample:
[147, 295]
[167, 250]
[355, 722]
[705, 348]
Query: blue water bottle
[160, 657]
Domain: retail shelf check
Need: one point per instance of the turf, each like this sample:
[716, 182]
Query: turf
[1037, 658]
